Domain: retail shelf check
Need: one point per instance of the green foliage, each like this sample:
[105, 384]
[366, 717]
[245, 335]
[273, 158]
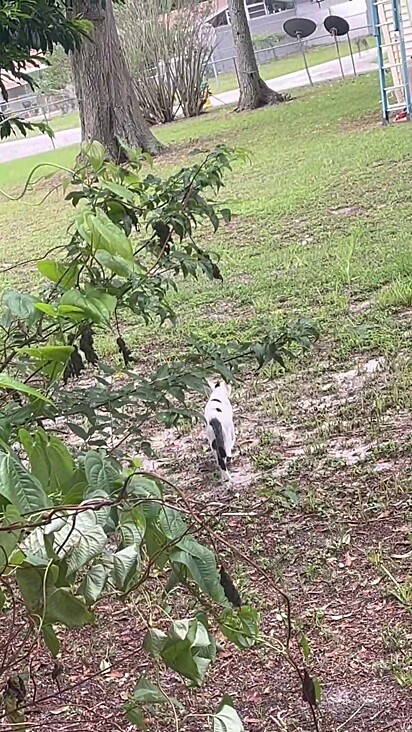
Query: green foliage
[241, 626]
[226, 718]
[31, 29]
[8, 383]
[58, 74]
[187, 648]
[84, 522]
[268, 40]
[146, 693]
[19, 486]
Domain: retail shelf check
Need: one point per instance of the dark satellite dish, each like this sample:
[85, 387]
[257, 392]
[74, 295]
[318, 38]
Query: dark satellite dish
[336, 26]
[300, 28]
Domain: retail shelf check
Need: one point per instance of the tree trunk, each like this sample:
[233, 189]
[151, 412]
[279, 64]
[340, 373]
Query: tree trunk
[109, 111]
[254, 92]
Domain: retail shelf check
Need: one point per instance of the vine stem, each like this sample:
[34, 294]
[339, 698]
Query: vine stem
[216, 539]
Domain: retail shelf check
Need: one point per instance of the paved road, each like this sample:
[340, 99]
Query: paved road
[322, 72]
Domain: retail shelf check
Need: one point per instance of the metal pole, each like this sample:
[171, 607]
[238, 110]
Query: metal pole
[398, 26]
[338, 52]
[304, 57]
[351, 54]
[214, 67]
[381, 63]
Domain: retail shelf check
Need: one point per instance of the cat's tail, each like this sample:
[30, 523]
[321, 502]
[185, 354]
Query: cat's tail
[218, 444]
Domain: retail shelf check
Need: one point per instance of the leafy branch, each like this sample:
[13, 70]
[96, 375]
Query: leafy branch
[78, 526]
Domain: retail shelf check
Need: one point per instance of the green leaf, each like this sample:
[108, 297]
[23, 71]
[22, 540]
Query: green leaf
[101, 473]
[189, 649]
[132, 524]
[226, 215]
[305, 647]
[21, 488]
[65, 608]
[172, 524]
[34, 547]
[178, 656]
[94, 583]
[63, 274]
[95, 304]
[79, 540]
[47, 309]
[95, 154]
[226, 718]
[62, 466]
[241, 626]
[147, 693]
[6, 382]
[51, 640]
[201, 563]
[26, 440]
[135, 715]
[154, 641]
[318, 690]
[106, 235]
[119, 191]
[30, 581]
[67, 310]
[61, 354]
[115, 263]
[126, 563]
[100, 302]
[21, 305]
[36, 448]
[8, 539]
[74, 490]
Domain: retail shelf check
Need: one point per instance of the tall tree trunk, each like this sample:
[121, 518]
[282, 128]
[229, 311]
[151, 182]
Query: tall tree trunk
[254, 92]
[109, 110]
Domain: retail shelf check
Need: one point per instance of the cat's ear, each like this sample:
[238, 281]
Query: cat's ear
[228, 389]
[211, 384]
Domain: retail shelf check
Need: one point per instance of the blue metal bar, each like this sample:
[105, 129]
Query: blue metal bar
[381, 71]
[395, 11]
[404, 61]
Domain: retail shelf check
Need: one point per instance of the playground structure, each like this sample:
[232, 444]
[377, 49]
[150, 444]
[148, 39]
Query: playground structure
[392, 28]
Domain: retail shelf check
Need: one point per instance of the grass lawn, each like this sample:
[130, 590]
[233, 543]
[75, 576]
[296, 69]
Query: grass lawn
[63, 122]
[322, 228]
[278, 67]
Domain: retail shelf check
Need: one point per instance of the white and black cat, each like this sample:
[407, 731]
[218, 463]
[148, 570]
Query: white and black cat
[220, 430]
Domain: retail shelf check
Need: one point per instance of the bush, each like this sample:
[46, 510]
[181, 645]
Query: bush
[168, 57]
[262, 42]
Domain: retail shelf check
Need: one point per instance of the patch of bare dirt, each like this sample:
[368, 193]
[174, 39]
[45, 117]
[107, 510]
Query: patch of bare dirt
[222, 310]
[180, 150]
[370, 121]
[360, 306]
[355, 210]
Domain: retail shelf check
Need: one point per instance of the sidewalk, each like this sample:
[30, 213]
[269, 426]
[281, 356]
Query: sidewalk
[367, 61]
[322, 72]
